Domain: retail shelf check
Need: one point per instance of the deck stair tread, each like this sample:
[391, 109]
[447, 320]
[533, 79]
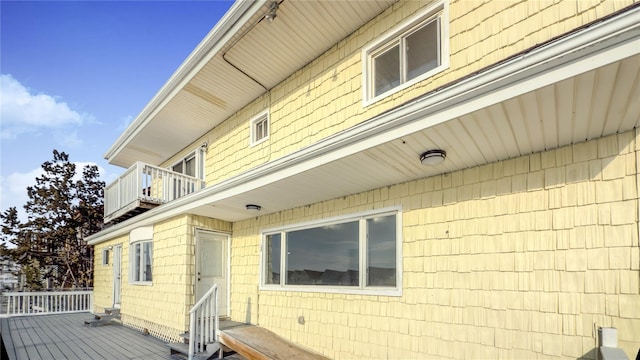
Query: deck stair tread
[254, 342]
[112, 311]
[182, 350]
[109, 315]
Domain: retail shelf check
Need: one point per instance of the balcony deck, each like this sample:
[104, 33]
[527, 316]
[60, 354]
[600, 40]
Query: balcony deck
[65, 336]
[143, 187]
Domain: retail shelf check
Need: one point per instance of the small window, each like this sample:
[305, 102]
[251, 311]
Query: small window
[105, 257]
[141, 262]
[357, 254]
[414, 51]
[260, 128]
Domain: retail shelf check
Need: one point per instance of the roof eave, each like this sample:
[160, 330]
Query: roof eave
[233, 20]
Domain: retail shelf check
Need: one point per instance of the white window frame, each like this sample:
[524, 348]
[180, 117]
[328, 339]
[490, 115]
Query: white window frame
[397, 35]
[140, 237]
[199, 155]
[263, 116]
[105, 257]
[362, 289]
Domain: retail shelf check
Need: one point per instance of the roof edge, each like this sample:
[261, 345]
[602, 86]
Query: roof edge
[230, 23]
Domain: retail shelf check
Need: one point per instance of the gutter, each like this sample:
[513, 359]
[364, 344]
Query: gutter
[230, 24]
[593, 47]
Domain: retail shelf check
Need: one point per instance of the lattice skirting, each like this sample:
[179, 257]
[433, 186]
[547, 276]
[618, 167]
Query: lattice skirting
[161, 332]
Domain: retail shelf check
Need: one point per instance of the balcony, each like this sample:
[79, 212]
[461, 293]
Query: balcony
[143, 187]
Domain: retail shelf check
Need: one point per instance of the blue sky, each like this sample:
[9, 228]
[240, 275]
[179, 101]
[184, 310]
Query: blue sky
[74, 74]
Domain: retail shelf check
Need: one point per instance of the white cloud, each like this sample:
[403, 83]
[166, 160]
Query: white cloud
[13, 190]
[22, 111]
[124, 123]
[68, 139]
[13, 187]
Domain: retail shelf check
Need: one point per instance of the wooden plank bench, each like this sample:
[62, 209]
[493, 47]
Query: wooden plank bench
[256, 343]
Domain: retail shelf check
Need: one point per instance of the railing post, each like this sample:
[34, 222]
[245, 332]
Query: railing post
[217, 318]
[138, 186]
[192, 329]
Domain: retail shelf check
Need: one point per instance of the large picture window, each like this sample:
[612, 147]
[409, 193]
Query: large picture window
[414, 51]
[353, 254]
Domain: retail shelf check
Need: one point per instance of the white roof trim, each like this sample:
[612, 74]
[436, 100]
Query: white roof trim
[233, 20]
[595, 46]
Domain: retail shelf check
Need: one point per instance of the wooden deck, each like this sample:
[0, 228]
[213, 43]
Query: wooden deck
[256, 343]
[65, 337]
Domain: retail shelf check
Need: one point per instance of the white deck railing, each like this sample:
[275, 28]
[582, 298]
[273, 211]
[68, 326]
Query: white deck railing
[203, 322]
[148, 183]
[47, 302]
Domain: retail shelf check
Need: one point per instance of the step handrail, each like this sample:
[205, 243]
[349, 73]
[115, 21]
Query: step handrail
[203, 322]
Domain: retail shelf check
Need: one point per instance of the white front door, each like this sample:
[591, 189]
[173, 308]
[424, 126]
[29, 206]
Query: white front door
[117, 272]
[211, 267]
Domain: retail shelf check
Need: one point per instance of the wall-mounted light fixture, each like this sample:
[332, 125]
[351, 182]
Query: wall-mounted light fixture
[271, 15]
[433, 157]
[253, 207]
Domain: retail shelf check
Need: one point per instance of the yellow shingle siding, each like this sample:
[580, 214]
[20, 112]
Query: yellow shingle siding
[325, 97]
[519, 258]
[103, 275]
[163, 307]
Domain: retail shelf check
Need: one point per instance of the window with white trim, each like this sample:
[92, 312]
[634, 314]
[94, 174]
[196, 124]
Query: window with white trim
[141, 262]
[141, 255]
[105, 256]
[412, 52]
[355, 254]
[259, 128]
[192, 164]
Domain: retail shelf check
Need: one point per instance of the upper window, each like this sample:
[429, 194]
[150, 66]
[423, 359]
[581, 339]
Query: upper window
[358, 254]
[192, 164]
[409, 53]
[259, 128]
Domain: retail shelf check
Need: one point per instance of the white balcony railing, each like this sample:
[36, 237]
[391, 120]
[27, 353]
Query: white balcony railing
[46, 302]
[148, 183]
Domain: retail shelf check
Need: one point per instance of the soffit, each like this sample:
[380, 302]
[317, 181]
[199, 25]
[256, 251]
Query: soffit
[257, 57]
[594, 104]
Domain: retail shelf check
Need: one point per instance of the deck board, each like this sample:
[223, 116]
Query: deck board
[66, 337]
[256, 343]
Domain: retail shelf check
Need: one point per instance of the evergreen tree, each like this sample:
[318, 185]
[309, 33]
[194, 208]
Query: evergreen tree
[61, 213]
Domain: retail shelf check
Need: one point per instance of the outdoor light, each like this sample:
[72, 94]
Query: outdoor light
[433, 157]
[271, 15]
[253, 207]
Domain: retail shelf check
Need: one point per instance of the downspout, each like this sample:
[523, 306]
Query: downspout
[635, 153]
[224, 55]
